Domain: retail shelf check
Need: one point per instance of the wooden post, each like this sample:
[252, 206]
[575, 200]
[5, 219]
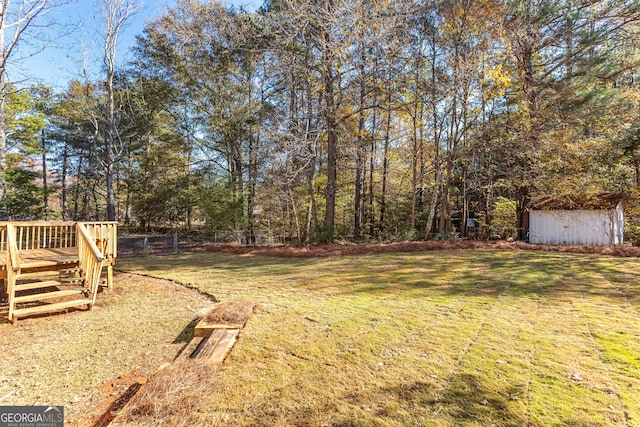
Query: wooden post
[175, 242]
[110, 276]
[144, 244]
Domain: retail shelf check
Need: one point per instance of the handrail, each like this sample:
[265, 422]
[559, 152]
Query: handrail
[91, 259]
[82, 230]
[13, 268]
[37, 223]
[12, 247]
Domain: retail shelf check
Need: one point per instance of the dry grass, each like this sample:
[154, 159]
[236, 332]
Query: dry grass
[236, 312]
[171, 396]
[450, 338]
[84, 360]
[337, 250]
[442, 338]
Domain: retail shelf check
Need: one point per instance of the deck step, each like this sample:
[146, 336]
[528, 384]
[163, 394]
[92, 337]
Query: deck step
[46, 308]
[36, 285]
[38, 274]
[48, 295]
[68, 280]
[70, 270]
[47, 263]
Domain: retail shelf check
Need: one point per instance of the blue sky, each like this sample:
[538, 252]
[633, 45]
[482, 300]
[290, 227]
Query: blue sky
[63, 61]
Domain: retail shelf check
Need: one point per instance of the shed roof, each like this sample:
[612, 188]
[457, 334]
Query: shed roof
[601, 201]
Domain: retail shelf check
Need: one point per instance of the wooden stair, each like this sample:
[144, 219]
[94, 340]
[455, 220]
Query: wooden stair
[45, 296]
[54, 266]
[48, 295]
[46, 263]
[36, 285]
[48, 308]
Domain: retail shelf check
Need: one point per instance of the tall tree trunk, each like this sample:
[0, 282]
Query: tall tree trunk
[45, 186]
[63, 181]
[372, 157]
[3, 137]
[115, 13]
[110, 147]
[385, 164]
[436, 147]
[79, 187]
[312, 215]
[3, 100]
[251, 193]
[532, 137]
[434, 200]
[331, 126]
[310, 149]
[357, 200]
[414, 166]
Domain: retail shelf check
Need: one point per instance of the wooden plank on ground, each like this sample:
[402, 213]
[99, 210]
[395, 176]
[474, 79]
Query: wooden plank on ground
[190, 348]
[208, 344]
[216, 347]
[204, 328]
[224, 346]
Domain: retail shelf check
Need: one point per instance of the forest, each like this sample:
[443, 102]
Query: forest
[336, 120]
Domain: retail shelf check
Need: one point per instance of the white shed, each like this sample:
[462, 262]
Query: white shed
[577, 226]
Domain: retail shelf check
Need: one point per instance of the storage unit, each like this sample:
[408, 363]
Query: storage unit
[577, 227]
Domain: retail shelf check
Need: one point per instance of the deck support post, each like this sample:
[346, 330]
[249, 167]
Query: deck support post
[110, 277]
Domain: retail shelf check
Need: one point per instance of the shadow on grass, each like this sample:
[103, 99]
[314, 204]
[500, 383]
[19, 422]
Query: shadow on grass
[467, 399]
[186, 335]
[528, 274]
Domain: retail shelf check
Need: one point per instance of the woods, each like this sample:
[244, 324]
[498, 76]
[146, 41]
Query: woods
[322, 120]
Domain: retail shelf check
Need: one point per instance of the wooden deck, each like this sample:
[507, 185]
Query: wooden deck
[31, 252]
[34, 258]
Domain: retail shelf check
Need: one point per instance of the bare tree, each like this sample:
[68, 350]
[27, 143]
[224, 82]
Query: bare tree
[17, 21]
[116, 13]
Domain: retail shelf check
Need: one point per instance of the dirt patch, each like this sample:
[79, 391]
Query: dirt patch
[333, 250]
[114, 395]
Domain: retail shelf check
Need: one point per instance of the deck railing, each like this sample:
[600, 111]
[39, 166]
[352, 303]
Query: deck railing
[45, 235]
[91, 259]
[13, 265]
[106, 236]
[36, 235]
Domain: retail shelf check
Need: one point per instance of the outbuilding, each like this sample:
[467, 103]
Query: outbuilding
[565, 221]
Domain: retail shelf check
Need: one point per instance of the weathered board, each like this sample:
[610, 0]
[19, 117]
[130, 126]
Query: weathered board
[204, 328]
[188, 350]
[224, 346]
[214, 348]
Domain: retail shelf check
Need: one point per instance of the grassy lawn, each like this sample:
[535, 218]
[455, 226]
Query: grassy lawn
[450, 338]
